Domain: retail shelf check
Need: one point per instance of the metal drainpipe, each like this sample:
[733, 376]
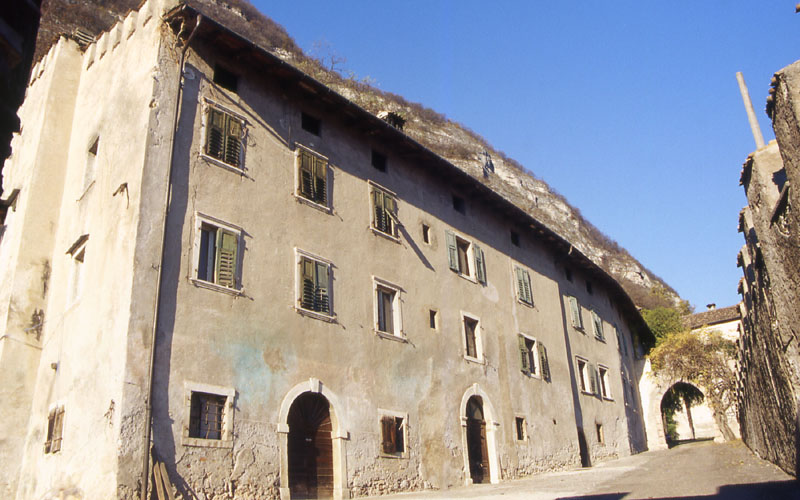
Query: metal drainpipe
[151, 367]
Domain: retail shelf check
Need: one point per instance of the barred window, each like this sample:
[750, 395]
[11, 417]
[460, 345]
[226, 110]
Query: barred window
[206, 415]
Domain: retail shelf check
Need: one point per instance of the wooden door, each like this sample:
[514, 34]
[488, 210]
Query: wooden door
[476, 442]
[310, 447]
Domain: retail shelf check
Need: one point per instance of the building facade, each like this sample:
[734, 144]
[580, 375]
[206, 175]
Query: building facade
[769, 359]
[302, 300]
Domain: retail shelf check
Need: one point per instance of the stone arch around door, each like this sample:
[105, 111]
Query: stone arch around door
[492, 425]
[339, 437]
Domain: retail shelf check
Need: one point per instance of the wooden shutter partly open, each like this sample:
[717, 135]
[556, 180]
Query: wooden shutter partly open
[524, 285]
[380, 215]
[320, 181]
[480, 264]
[575, 309]
[227, 246]
[452, 250]
[387, 434]
[308, 292]
[233, 142]
[524, 356]
[592, 377]
[544, 364]
[322, 302]
[215, 135]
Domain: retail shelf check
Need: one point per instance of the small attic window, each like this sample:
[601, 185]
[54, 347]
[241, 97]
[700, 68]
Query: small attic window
[225, 79]
[310, 123]
[568, 274]
[458, 204]
[379, 161]
[589, 287]
[515, 238]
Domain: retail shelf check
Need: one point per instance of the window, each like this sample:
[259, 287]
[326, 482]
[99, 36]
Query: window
[312, 176]
[515, 238]
[55, 426]
[310, 123]
[384, 211]
[524, 293]
[519, 425]
[588, 287]
[393, 435]
[575, 313]
[426, 234]
[224, 137]
[568, 274]
[315, 285]
[91, 160]
[472, 342]
[597, 326]
[458, 204]
[208, 415]
[605, 386]
[388, 319]
[379, 161]
[225, 78]
[78, 253]
[621, 345]
[586, 381]
[217, 250]
[433, 319]
[461, 253]
[600, 435]
[531, 361]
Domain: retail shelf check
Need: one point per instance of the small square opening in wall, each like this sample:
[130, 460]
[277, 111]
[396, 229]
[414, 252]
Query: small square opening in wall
[225, 79]
[515, 238]
[426, 234]
[310, 123]
[568, 274]
[601, 438]
[589, 287]
[393, 435]
[458, 204]
[433, 319]
[520, 428]
[379, 161]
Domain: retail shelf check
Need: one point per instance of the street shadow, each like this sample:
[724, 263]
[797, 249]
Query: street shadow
[678, 442]
[774, 490]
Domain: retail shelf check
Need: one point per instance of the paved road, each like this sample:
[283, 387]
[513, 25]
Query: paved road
[703, 471]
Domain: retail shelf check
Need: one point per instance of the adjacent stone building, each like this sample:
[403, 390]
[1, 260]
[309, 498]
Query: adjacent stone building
[303, 300]
[769, 357]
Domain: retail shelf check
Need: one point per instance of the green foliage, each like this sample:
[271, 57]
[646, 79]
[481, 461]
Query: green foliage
[679, 396]
[663, 322]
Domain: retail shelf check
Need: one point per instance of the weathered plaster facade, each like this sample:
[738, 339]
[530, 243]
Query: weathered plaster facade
[252, 341]
[769, 381]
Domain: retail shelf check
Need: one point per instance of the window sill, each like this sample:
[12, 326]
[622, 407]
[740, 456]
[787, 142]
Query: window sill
[213, 286]
[532, 375]
[312, 204]
[606, 398]
[474, 360]
[398, 456]
[587, 393]
[601, 339]
[527, 304]
[467, 277]
[388, 236]
[391, 336]
[207, 443]
[222, 164]
[316, 315]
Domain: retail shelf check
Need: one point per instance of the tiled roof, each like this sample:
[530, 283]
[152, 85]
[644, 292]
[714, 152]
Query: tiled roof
[712, 317]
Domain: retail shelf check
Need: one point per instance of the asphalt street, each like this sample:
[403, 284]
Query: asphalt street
[701, 470]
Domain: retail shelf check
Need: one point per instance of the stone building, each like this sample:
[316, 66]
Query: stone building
[769, 360]
[303, 300]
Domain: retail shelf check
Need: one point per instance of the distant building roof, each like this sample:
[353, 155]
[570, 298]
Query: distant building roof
[713, 317]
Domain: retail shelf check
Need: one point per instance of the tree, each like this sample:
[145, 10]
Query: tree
[663, 322]
[681, 396]
[701, 358]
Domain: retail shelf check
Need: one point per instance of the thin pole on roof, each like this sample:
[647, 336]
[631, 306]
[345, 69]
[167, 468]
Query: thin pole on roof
[751, 115]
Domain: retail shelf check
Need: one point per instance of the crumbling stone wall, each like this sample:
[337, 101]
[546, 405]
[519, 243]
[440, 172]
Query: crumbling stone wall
[769, 381]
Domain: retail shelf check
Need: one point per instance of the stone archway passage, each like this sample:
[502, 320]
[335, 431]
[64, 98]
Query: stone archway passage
[476, 441]
[310, 447]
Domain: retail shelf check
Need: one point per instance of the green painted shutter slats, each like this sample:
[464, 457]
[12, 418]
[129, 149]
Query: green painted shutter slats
[322, 302]
[224, 137]
[308, 293]
[233, 142]
[598, 326]
[524, 285]
[592, 377]
[320, 181]
[480, 264]
[452, 250]
[227, 246]
[544, 364]
[524, 355]
[380, 215]
[575, 310]
[215, 138]
[306, 175]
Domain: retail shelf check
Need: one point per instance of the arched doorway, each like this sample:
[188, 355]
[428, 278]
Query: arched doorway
[684, 414]
[310, 447]
[476, 441]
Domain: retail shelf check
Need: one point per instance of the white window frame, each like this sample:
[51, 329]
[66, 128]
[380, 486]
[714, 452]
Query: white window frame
[207, 105]
[397, 311]
[201, 220]
[604, 382]
[77, 253]
[596, 319]
[394, 414]
[396, 224]
[536, 369]
[479, 355]
[324, 207]
[226, 438]
[585, 382]
[472, 275]
[298, 286]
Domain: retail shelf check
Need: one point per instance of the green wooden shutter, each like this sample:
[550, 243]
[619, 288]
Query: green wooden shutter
[575, 308]
[592, 377]
[524, 356]
[480, 264]
[524, 285]
[233, 141]
[380, 215]
[544, 364]
[227, 245]
[306, 175]
[307, 295]
[322, 301]
[452, 250]
[598, 325]
[390, 211]
[520, 285]
[528, 289]
[215, 136]
[320, 181]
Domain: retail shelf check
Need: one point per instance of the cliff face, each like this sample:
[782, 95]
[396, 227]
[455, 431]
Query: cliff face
[459, 145]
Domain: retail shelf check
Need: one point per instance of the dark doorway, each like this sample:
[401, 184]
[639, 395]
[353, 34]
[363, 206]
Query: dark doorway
[586, 461]
[310, 447]
[476, 441]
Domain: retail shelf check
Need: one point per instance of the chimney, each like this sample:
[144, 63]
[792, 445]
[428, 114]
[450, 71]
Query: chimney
[711, 306]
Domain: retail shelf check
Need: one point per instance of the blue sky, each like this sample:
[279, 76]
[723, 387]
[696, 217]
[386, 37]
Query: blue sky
[630, 109]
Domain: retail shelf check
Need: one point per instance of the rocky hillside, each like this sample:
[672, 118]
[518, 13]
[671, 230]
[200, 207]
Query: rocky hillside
[453, 141]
